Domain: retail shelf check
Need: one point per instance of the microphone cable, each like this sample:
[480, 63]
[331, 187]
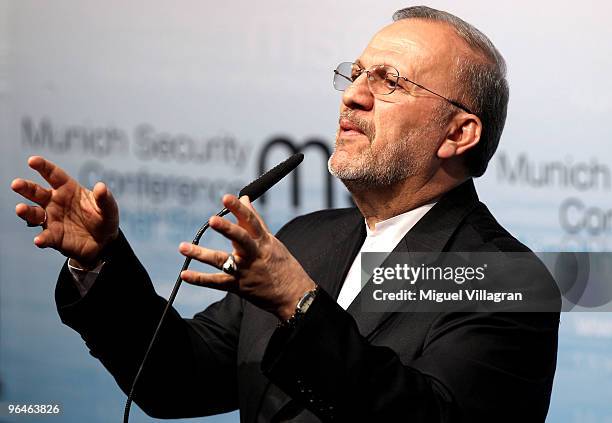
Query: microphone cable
[253, 190]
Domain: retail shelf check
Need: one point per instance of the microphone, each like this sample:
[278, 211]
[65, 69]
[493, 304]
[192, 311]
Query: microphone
[259, 186]
[254, 190]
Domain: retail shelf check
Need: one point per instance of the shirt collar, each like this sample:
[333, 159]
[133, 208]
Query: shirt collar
[398, 225]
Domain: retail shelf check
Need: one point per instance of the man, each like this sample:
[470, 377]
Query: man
[422, 112]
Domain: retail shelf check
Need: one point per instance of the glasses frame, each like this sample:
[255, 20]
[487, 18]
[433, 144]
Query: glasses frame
[398, 77]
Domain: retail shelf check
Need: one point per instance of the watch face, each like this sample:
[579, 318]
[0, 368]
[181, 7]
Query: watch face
[305, 301]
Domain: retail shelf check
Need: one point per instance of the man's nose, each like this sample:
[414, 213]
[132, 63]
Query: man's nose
[358, 94]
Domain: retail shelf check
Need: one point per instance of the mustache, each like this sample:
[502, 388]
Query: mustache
[364, 126]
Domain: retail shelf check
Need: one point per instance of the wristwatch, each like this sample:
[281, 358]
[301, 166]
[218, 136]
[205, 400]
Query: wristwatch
[301, 308]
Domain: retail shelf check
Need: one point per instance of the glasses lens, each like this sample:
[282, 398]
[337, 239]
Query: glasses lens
[343, 75]
[383, 79]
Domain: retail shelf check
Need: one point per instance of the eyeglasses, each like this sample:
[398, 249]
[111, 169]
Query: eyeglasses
[382, 80]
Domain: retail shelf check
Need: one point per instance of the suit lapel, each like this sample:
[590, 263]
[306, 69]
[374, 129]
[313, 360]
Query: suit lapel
[330, 266]
[430, 234]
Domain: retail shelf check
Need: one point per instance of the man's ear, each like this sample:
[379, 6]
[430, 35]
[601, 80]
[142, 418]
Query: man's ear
[463, 133]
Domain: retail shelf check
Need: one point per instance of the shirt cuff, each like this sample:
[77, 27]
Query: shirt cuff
[83, 279]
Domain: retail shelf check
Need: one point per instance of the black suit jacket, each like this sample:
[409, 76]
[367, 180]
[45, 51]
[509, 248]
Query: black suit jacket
[336, 365]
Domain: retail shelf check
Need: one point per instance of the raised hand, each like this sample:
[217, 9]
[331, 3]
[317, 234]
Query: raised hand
[267, 275]
[77, 222]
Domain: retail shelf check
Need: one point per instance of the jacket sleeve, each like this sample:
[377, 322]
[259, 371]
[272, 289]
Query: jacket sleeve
[474, 367]
[191, 370]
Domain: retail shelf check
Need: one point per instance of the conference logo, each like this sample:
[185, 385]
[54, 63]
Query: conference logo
[293, 148]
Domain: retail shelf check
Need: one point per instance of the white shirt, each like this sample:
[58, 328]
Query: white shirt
[83, 279]
[383, 238]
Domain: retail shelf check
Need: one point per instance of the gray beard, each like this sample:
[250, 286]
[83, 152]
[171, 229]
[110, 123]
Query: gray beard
[395, 163]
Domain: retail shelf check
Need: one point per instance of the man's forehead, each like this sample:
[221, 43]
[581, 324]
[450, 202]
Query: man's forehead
[409, 39]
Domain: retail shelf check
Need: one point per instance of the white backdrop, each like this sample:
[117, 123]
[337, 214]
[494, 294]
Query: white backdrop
[173, 102]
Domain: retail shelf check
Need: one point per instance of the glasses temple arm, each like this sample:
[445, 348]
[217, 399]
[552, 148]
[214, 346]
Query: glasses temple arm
[342, 75]
[453, 102]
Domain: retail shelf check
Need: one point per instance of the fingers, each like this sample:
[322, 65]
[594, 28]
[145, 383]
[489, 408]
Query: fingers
[35, 216]
[219, 281]
[213, 257]
[105, 200]
[242, 241]
[247, 232]
[31, 214]
[44, 239]
[52, 173]
[246, 216]
[32, 191]
[247, 202]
